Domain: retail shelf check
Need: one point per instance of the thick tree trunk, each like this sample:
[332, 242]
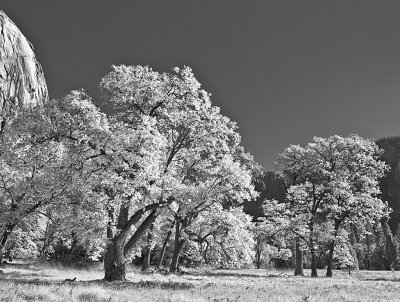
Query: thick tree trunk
[299, 258]
[314, 272]
[258, 262]
[123, 216]
[118, 249]
[4, 237]
[329, 272]
[46, 240]
[175, 258]
[164, 247]
[178, 245]
[139, 232]
[110, 223]
[329, 260]
[115, 262]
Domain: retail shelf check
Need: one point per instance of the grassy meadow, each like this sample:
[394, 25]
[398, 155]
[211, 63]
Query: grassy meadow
[45, 282]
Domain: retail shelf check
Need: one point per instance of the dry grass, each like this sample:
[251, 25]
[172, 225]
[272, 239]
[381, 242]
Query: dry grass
[46, 283]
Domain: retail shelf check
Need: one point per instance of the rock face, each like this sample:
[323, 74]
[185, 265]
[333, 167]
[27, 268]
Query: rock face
[22, 82]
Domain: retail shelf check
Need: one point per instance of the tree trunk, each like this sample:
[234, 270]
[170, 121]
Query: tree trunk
[118, 249]
[258, 252]
[205, 253]
[331, 250]
[329, 260]
[110, 223]
[314, 272]
[139, 232]
[115, 262]
[147, 258]
[299, 259]
[178, 245]
[46, 240]
[164, 247]
[4, 237]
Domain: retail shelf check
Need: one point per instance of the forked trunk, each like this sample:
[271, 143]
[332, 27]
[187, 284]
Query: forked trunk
[119, 248]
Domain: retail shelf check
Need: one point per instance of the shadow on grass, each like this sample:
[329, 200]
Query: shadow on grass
[18, 279]
[235, 274]
[151, 284]
[36, 281]
[383, 279]
[23, 274]
[43, 264]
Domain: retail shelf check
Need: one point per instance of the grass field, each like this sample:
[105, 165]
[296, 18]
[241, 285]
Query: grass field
[39, 282]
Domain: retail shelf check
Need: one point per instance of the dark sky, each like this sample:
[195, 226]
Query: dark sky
[285, 71]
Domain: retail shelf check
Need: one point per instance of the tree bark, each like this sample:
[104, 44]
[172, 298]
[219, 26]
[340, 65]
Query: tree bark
[178, 245]
[115, 262]
[147, 258]
[139, 232]
[258, 252]
[110, 223]
[4, 237]
[329, 272]
[329, 263]
[119, 249]
[314, 272]
[299, 259]
[123, 216]
[164, 247]
[205, 253]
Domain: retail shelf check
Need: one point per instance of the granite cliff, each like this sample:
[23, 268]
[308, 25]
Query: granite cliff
[22, 81]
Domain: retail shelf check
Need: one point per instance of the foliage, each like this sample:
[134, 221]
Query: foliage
[224, 237]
